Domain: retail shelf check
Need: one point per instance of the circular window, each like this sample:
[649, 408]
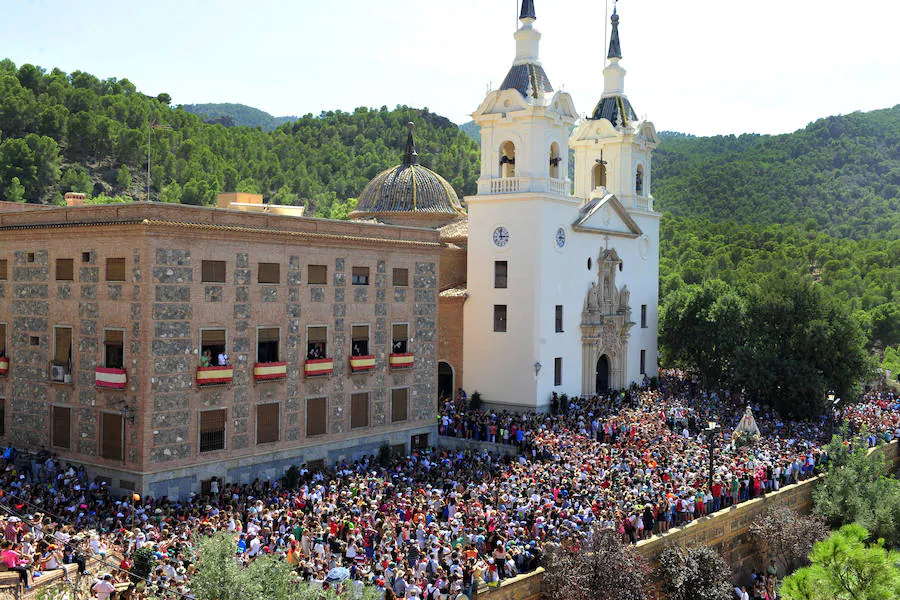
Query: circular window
[507, 104]
[590, 264]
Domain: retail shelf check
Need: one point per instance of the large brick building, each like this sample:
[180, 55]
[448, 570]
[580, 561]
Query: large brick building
[107, 313]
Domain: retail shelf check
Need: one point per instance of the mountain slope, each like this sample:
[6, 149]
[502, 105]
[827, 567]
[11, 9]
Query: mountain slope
[239, 115]
[840, 173]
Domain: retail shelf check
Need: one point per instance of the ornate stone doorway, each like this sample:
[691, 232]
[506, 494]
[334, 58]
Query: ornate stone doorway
[602, 374]
[605, 325]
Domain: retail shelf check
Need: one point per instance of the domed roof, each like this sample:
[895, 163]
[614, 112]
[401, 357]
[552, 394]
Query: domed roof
[408, 188]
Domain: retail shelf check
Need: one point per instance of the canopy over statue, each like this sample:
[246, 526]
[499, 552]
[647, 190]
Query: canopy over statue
[747, 425]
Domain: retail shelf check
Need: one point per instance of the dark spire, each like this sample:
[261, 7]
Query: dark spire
[410, 157]
[527, 10]
[615, 49]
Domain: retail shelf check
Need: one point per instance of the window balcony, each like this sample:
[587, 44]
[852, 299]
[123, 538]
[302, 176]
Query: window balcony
[360, 364]
[4, 366]
[111, 379]
[272, 371]
[401, 361]
[209, 376]
[319, 367]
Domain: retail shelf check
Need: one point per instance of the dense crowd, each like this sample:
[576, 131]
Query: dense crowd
[438, 523]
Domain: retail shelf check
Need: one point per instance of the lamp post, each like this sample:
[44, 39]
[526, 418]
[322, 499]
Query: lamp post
[710, 431]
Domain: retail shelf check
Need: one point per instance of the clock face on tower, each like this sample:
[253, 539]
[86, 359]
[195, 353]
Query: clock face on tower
[501, 236]
[560, 238]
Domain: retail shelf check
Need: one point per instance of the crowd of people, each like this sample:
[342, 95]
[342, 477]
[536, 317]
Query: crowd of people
[436, 524]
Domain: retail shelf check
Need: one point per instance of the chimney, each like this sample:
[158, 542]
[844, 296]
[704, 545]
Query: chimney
[75, 199]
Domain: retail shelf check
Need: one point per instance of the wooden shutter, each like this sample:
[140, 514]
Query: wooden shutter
[359, 333]
[65, 269]
[268, 335]
[399, 401]
[2, 339]
[212, 271]
[315, 417]
[269, 273]
[212, 430]
[62, 427]
[400, 332]
[115, 269]
[359, 410]
[401, 277]
[267, 423]
[212, 337]
[317, 275]
[3, 269]
[111, 432]
[63, 350]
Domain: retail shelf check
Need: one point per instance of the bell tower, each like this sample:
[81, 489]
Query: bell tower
[525, 124]
[613, 146]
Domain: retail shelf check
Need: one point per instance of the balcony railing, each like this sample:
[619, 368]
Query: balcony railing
[207, 376]
[272, 371]
[505, 185]
[401, 361]
[559, 186]
[319, 367]
[4, 366]
[360, 364]
[643, 203]
[111, 379]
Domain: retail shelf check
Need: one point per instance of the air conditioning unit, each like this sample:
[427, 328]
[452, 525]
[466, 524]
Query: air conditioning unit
[57, 373]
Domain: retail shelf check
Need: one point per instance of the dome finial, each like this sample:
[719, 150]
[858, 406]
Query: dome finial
[410, 157]
[615, 48]
[527, 11]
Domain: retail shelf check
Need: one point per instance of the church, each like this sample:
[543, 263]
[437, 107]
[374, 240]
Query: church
[547, 285]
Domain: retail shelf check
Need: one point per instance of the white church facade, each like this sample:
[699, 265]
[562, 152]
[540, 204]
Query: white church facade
[548, 284]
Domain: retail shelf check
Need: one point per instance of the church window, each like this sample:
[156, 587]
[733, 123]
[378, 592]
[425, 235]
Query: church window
[500, 318]
[639, 181]
[555, 160]
[501, 270]
[599, 179]
[557, 371]
[508, 160]
[643, 316]
[559, 318]
[643, 362]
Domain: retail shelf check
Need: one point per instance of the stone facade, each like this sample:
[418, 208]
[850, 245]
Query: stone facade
[161, 309]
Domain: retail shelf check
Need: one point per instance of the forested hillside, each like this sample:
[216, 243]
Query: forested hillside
[61, 132]
[237, 115]
[840, 174]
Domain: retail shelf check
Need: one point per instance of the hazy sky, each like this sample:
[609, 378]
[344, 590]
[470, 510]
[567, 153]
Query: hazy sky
[703, 67]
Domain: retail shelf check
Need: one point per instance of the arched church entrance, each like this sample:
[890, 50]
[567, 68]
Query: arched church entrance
[602, 374]
[445, 381]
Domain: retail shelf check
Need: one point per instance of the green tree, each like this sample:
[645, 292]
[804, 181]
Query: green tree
[856, 490]
[695, 573]
[123, 177]
[16, 191]
[76, 180]
[846, 567]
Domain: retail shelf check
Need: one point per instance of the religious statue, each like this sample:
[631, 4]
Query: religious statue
[746, 432]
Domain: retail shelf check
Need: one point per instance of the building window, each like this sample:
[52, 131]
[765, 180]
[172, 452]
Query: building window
[500, 274]
[401, 277]
[65, 269]
[111, 436]
[399, 404]
[4, 266]
[559, 318]
[500, 318]
[317, 274]
[115, 269]
[2, 417]
[61, 434]
[269, 273]
[212, 347]
[399, 338]
[29, 257]
[34, 340]
[267, 423]
[212, 430]
[360, 336]
[643, 362]
[639, 181]
[315, 417]
[114, 348]
[599, 175]
[316, 342]
[359, 410]
[360, 276]
[557, 371]
[643, 316]
[267, 344]
[507, 159]
[555, 160]
[86, 257]
[418, 441]
[212, 271]
[2, 340]
[61, 365]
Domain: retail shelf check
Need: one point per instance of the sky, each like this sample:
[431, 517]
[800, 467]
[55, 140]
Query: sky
[704, 67]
